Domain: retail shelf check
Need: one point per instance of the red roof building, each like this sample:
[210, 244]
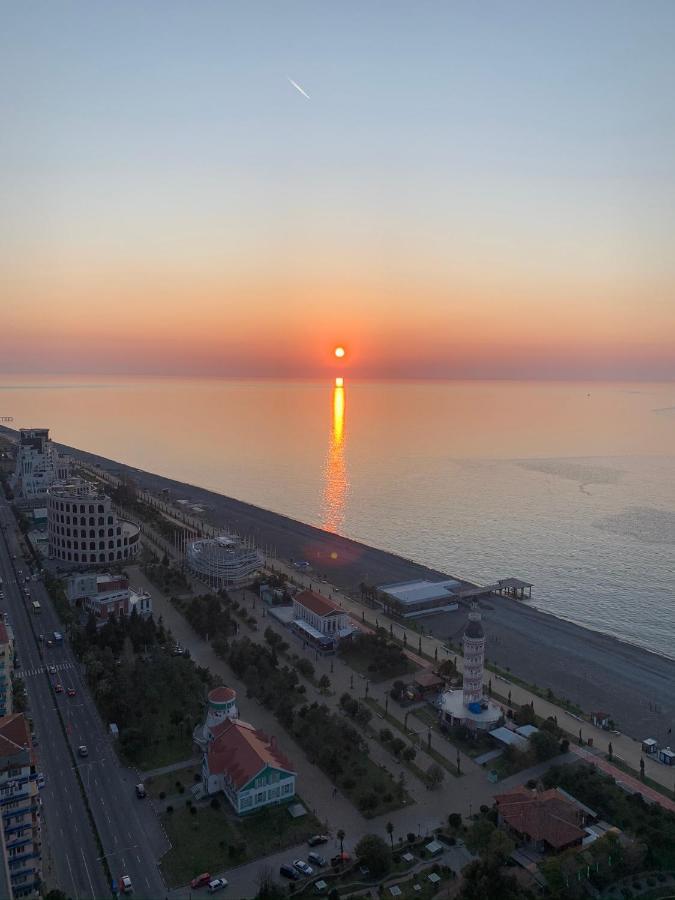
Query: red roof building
[319, 621]
[546, 819]
[247, 766]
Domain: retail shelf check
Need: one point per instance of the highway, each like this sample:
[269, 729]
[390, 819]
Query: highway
[128, 828]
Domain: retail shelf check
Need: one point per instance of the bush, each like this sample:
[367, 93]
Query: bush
[411, 837]
[193, 810]
[162, 795]
[215, 803]
[169, 809]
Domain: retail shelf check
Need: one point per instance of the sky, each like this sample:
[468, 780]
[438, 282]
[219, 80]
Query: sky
[472, 189]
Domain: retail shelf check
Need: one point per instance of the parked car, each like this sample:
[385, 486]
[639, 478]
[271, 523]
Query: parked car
[340, 859]
[317, 859]
[41, 781]
[52, 670]
[140, 793]
[217, 885]
[289, 872]
[82, 750]
[58, 687]
[200, 880]
[303, 867]
[127, 887]
[318, 839]
[71, 692]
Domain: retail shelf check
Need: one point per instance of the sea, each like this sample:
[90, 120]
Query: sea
[570, 486]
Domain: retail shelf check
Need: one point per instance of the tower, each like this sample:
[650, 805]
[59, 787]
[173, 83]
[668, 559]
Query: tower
[474, 658]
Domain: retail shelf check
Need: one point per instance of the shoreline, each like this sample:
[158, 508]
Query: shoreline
[592, 669]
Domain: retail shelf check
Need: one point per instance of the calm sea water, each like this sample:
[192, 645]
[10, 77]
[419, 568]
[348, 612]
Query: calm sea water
[570, 486]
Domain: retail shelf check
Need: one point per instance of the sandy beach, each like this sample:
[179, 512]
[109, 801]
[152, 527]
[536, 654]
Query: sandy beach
[594, 670]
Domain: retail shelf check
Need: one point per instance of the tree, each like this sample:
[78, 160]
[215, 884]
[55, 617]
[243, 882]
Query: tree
[55, 894]
[435, 775]
[483, 880]
[409, 754]
[499, 847]
[545, 745]
[324, 684]
[340, 834]
[390, 831]
[454, 819]
[478, 836]
[372, 852]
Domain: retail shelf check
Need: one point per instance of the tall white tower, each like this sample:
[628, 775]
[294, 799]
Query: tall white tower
[474, 658]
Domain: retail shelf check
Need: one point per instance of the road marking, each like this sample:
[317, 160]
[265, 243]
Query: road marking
[71, 875]
[93, 892]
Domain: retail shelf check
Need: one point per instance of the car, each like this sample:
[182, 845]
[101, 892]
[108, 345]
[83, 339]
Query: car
[52, 670]
[140, 793]
[41, 781]
[288, 872]
[303, 867]
[127, 887]
[41, 637]
[71, 692]
[50, 643]
[340, 859]
[58, 687]
[318, 839]
[317, 859]
[82, 750]
[200, 881]
[217, 885]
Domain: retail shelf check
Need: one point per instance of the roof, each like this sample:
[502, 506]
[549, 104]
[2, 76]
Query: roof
[317, 604]
[512, 583]
[426, 678]
[221, 694]
[14, 734]
[527, 731]
[506, 736]
[241, 751]
[542, 815]
[408, 592]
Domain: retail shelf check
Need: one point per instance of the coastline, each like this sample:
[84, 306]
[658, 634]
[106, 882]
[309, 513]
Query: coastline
[596, 671]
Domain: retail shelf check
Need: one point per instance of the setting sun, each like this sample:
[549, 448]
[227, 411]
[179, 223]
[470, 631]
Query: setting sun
[339, 352]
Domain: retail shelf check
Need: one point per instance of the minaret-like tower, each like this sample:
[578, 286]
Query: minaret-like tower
[474, 658]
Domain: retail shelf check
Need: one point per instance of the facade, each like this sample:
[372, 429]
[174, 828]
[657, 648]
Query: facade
[411, 599]
[38, 464]
[6, 668]
[222, 562]
[319, 621]
[19, 805]
[84, 528]
[247, 766]
[106, 595]
[469, 707]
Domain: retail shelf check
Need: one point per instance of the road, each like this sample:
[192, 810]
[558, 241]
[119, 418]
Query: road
[128, 828]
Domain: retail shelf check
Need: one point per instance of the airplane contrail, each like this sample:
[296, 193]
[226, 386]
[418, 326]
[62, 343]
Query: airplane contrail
[298, 88]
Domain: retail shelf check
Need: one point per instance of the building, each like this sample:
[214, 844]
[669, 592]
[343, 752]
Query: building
[20, 806]
[106, 595]
[319, 621]
[38, 464]
[83, 527]
[224, 561]
[667, 756]
[548, 821]
[408, 599]
[221, 706]
[247, 766]
[469, 707]
[6, 668]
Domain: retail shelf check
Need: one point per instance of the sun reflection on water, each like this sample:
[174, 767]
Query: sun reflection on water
[335, 468]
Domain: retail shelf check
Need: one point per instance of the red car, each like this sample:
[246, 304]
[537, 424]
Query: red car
[71, 692]
[58, 687]
[200, 880]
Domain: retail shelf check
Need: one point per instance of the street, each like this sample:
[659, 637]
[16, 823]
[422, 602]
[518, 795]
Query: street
[128, 828]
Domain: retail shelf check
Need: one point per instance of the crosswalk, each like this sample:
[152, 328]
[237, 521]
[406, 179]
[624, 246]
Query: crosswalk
[60, 667]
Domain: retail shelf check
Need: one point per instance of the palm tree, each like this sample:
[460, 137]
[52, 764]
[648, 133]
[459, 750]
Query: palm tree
[390, 831]
[341, 837]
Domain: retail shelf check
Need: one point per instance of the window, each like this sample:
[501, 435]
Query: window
[286, 789]
[260, 797]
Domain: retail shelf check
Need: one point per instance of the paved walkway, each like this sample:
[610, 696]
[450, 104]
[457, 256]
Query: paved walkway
[175, 767]
[637, 786]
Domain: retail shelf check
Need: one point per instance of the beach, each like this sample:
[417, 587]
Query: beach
[595, 671]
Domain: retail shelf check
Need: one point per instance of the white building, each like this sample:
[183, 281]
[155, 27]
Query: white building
[221, 706]
[319, 621]
[469, 707]
[247, 766]
[106, 595]
[38, 464]
[83, 527]
[140, 601]
[409, 599]
[224, 561]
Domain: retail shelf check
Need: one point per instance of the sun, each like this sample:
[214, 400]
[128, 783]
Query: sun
[339, 352]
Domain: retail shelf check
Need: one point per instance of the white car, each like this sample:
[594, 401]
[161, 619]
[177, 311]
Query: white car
[218, 884]
[52, 670]
[127, 887]
[302, 867]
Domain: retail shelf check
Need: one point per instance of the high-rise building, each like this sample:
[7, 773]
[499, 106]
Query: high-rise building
[38, 464]
[474, 658]
[19, 806]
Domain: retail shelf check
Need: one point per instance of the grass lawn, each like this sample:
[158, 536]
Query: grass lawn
[167, 783]
[376, 782]
[428, 889]
[215, 840]
[361, 662]
[472, 747]
[165, 752]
